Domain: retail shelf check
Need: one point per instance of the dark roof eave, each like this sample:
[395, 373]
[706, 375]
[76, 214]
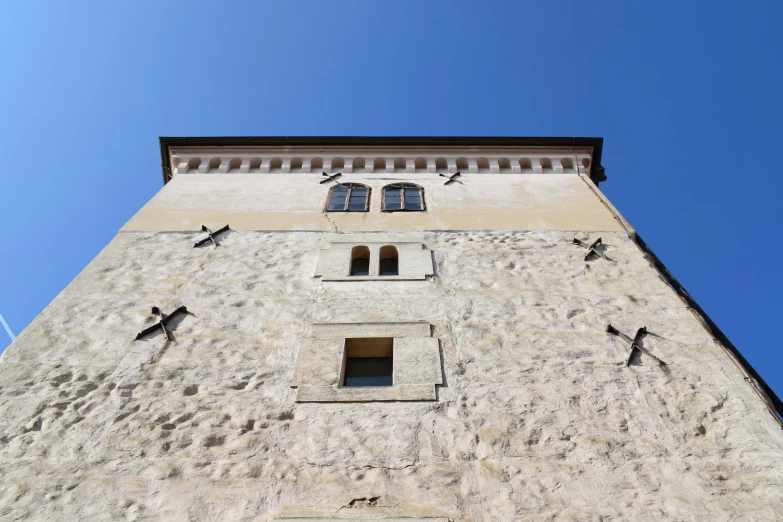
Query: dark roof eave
[596, 172]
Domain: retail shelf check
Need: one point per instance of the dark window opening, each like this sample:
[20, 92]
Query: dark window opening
[360, 261]
[348, 197]
[403, 196]
[360, 267]
[368, 362]
[389, 265]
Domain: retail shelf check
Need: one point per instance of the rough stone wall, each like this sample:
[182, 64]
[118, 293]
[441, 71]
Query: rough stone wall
[538, 417]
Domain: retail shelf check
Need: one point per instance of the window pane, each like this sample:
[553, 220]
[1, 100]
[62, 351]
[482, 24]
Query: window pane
[357, 203]
[368, 371]
[413, 199]
[360, 267]
[358, 200]
[393, 199]
[389, 267]
[337, 201]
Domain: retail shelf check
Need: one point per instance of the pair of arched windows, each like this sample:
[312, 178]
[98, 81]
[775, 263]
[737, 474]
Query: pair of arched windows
[360, 261]
[355, 197]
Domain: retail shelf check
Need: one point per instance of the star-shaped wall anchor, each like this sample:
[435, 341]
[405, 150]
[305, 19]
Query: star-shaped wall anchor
[592, 249]
[634, 343]
[452, 178]
[162, 323]
[210, 237]
[329, 178]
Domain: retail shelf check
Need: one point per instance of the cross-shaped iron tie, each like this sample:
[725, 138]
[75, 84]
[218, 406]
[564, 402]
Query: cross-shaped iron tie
[591, 249]
[329, 178]
[641, 332]
[210, 237]
[452, 178]
[164, 319]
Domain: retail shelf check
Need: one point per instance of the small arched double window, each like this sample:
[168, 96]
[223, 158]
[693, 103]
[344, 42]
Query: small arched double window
[348, 197]
[402, 197]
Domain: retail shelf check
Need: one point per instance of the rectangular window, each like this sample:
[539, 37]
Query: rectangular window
[368, 362]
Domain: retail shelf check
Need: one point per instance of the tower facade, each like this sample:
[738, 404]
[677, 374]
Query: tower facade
[438, 329]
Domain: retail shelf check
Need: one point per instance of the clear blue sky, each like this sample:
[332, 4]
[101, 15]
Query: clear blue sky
[687, 96]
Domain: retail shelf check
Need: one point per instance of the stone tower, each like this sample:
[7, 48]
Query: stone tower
[375, 337]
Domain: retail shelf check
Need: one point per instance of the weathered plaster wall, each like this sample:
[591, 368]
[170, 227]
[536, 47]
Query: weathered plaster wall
[296, 202]
[538, 417]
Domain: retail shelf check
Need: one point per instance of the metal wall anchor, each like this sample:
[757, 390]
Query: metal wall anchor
[329, 178]
[452, 178]
[634, 343]
[164, 319]
[210, 237]
[591, 249]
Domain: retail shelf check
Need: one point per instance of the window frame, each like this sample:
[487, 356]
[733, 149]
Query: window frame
[402, 187]
[350, 187]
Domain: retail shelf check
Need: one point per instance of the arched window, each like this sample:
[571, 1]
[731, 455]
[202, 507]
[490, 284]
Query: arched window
[348, 197]
[360, 261]
[403, 196]
[389, 265]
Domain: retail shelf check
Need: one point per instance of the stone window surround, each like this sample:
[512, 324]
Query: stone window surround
[198, 160]
[319, 365]
[414, 261]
